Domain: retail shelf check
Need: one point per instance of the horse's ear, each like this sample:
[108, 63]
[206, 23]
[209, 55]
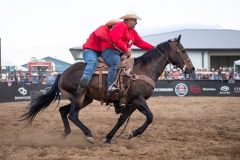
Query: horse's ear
[179, 38]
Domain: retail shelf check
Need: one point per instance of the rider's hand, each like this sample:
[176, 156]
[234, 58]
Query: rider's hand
[129, 52]
[123, 57]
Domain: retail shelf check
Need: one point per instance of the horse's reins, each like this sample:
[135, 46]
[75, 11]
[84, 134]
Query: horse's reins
[184, 59]
[166, 59]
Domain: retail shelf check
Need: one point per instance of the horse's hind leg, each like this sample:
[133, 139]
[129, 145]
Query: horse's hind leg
[73, 116]
[64, 110]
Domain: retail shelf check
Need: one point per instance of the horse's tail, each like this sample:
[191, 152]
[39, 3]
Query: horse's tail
[41, 102]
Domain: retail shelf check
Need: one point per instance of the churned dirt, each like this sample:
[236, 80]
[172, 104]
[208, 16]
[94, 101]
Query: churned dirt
[183, 128]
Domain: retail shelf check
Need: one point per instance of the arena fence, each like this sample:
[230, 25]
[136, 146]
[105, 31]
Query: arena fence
[163, 88]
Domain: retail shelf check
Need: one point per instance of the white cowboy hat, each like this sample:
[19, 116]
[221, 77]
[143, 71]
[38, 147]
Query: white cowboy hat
[130, 15]
[112, 22]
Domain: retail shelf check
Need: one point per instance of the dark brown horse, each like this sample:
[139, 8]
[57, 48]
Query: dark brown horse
[150, 64]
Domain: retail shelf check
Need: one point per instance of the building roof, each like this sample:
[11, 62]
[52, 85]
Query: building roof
[55, 59]
[200, 38]
[191, 39]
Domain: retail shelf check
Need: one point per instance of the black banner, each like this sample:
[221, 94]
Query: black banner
[21, 93]
[163, 88]
[196, 88]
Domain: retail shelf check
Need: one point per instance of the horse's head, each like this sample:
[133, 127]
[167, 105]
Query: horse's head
[179, 57]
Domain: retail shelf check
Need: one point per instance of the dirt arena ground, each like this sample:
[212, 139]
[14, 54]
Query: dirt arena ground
[183, 128]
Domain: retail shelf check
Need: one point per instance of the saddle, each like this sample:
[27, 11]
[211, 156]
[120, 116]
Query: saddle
[125, 70]
[126, 64]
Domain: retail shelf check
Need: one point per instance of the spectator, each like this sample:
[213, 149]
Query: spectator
[175, 74]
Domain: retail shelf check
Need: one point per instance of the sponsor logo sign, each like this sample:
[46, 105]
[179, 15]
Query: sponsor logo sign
[163, 90]
[209, 89]
[224, 90]
[236, 89]
[23, 93]
[44, 91]
[181, 89]
[195, 89]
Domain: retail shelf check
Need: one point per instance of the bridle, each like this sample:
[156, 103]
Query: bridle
[185, 60]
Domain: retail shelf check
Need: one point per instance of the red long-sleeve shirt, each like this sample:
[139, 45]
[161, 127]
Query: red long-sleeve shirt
[96, 38]
[123, 37]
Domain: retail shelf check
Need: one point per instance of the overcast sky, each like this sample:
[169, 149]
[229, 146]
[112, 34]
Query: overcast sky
[40, 28]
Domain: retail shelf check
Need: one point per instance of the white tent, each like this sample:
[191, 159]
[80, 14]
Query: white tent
[236, 63]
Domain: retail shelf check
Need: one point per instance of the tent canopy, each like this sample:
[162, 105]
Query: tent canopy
[237, 62]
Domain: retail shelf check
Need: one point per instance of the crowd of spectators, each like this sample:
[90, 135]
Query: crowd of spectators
[24, 78]
[222, 73]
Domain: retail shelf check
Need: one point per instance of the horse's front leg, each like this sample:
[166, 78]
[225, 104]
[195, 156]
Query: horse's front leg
[144, 109]
[127, 111]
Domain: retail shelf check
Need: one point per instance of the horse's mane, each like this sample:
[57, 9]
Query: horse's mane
[150, 55]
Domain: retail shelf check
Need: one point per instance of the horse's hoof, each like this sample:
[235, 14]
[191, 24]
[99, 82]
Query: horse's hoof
[65, 136]
[131, 134]
[90, 139]
[106, 141]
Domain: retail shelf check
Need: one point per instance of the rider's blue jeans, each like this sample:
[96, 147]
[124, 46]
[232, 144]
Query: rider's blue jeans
[91, 58]
[112, 58]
